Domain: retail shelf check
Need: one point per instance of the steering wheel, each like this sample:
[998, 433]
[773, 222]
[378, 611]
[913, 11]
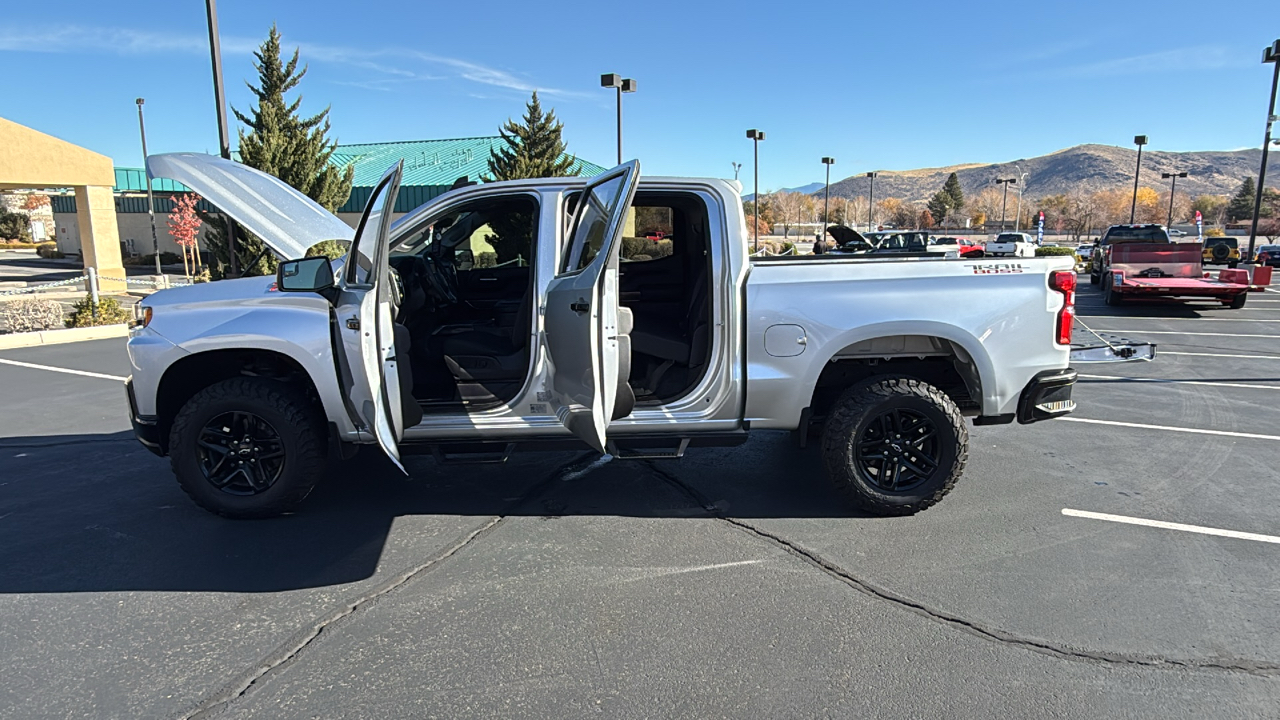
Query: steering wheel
[438, 278]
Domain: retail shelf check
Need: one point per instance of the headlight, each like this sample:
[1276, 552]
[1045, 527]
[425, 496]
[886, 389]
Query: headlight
[141, 316]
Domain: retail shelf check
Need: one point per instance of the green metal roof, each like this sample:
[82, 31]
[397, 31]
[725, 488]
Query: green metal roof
[133, 180]
[428, 162]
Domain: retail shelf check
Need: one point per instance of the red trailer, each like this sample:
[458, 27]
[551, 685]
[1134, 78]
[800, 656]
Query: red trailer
[1173, 270]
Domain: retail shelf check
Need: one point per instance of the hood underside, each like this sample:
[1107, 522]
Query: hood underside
[288, 221]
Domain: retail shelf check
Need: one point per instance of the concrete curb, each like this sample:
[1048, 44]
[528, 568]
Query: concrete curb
[55, 337]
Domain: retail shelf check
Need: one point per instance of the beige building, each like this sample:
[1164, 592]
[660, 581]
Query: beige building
[31, 160]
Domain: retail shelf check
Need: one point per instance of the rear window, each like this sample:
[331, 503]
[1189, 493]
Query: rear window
[1228, 241]
[1009, 237]
[1138, 234]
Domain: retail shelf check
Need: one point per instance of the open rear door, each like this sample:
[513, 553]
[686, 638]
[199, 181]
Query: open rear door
[365, 314]
[584, 339]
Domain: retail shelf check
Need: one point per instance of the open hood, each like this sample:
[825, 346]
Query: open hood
[286, 220]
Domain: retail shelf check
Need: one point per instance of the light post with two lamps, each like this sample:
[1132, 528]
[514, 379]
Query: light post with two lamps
[616, 81]
[1006, 182]
[1138, 140]
[756, 136]
[1173, 188]
[1270, 55]
[871, 203]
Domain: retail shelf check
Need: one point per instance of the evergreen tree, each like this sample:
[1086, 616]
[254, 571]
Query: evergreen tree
[532, 149]
[1241, 205]
[952, 188]
[280, 142]
[938, 205]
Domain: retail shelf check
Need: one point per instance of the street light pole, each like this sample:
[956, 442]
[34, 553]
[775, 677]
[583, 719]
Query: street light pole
[871, 203]
[1006, 182]
[224, 135]
[614, 80]
[1173, 188]
[826, 198]
[1138, 140]
[1017, 221]
[756, 136]
[151, 203]
[1269, 55]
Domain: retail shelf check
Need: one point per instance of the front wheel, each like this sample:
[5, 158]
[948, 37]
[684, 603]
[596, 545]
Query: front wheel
[248, 447]
[894, 447]
[1109, 293]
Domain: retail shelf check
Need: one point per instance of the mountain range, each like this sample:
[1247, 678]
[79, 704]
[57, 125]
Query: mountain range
[1083, 167]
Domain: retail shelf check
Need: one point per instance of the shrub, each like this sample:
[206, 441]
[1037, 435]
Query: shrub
[49, 250]
[201, 277]
[1215, 232]
[15, 226]
[30, 314]
[166, 258]
[1052, 251]
[107, 312]
[652, 249]
[332, 249]
[486, 260]
[15, 245]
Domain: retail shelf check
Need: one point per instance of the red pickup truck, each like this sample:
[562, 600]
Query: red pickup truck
[1140, 261]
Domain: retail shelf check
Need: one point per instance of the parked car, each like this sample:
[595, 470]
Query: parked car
[1268, 255]
[1221, 250]
[1015, 244]
[1174, 232]
[962, 246]
[251, 385]
[1142, 262]
[1084, 252]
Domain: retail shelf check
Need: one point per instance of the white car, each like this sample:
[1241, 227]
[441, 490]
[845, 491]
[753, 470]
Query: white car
[1011, 244]
[251, 385]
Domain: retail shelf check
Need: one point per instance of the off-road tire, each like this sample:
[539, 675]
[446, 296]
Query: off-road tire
[857, 408]
[1237, 302]
[1233, 264]
[1094, 279]
[294, 417]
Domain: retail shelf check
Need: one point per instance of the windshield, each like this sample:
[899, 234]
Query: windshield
[946, 241]
[900, 241]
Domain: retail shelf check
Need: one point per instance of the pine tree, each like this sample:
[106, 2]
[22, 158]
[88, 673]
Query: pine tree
[1241, 205]
[532, 149]
[280, 142]
[952, 188]
[939, 204]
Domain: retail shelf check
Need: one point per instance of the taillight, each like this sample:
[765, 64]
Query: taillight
[1064, 281]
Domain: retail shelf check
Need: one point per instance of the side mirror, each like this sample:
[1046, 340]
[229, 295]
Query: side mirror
[313, 274]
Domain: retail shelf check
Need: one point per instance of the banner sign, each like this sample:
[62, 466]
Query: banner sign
[1199, 226]
[1040, 230]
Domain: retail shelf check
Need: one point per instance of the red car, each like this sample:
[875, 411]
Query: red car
[963, 246]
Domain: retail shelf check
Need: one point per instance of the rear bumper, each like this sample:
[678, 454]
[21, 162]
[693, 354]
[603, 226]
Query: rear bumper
[1047, 396]
[145, 427]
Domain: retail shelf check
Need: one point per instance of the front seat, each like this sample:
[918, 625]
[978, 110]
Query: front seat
[480, 354]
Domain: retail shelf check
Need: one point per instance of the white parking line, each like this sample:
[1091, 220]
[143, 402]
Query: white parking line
[1181, 382]
[1168, 428]
[1246, 357]
[68, 371]
[1199, 529]
[1176, 332]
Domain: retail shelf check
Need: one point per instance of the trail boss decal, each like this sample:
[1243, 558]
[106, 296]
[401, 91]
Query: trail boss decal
[997, 268]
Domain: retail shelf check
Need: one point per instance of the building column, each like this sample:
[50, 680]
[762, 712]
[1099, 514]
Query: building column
[100, 236]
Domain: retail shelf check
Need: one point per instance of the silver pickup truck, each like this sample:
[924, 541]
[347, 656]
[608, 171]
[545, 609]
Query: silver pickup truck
[612, 313]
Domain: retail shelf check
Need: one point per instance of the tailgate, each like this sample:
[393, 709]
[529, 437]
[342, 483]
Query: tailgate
[1157, 260]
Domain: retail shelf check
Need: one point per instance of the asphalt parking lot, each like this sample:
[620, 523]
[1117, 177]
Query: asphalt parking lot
[730, 583]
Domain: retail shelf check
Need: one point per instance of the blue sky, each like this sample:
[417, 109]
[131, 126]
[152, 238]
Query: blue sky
[894, 85]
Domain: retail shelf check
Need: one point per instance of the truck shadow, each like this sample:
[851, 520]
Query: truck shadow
[98, 513]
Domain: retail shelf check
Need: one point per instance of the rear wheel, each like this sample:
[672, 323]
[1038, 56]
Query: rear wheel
[1113, 298]
[1233, 264]
[1094, 278]
[894, 447]
[248, 447]
[1237, 302]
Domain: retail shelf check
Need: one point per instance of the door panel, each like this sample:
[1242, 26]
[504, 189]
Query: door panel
[364, 310]
[581, 312]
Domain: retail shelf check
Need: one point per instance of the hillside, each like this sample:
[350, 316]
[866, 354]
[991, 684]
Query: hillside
[1084, 167]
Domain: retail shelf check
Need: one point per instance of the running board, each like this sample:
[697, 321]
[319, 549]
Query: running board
[628, 450]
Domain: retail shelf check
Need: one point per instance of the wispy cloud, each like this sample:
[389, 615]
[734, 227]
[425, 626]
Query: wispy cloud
[389, 65]
[1202, 57]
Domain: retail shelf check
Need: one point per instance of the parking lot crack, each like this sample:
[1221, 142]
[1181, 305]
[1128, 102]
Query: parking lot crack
[299, 642]
[971, 627]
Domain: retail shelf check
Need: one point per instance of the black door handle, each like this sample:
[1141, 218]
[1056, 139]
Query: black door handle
[581, 306]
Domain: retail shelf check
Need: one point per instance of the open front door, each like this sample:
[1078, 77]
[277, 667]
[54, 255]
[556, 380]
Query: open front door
[584, 336]
[365, 312]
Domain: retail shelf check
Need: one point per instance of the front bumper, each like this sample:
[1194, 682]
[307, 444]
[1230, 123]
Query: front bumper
[145, 427]
[1047, 396]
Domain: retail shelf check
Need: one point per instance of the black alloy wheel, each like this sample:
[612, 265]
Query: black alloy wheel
[239, 453]
[898, 450]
